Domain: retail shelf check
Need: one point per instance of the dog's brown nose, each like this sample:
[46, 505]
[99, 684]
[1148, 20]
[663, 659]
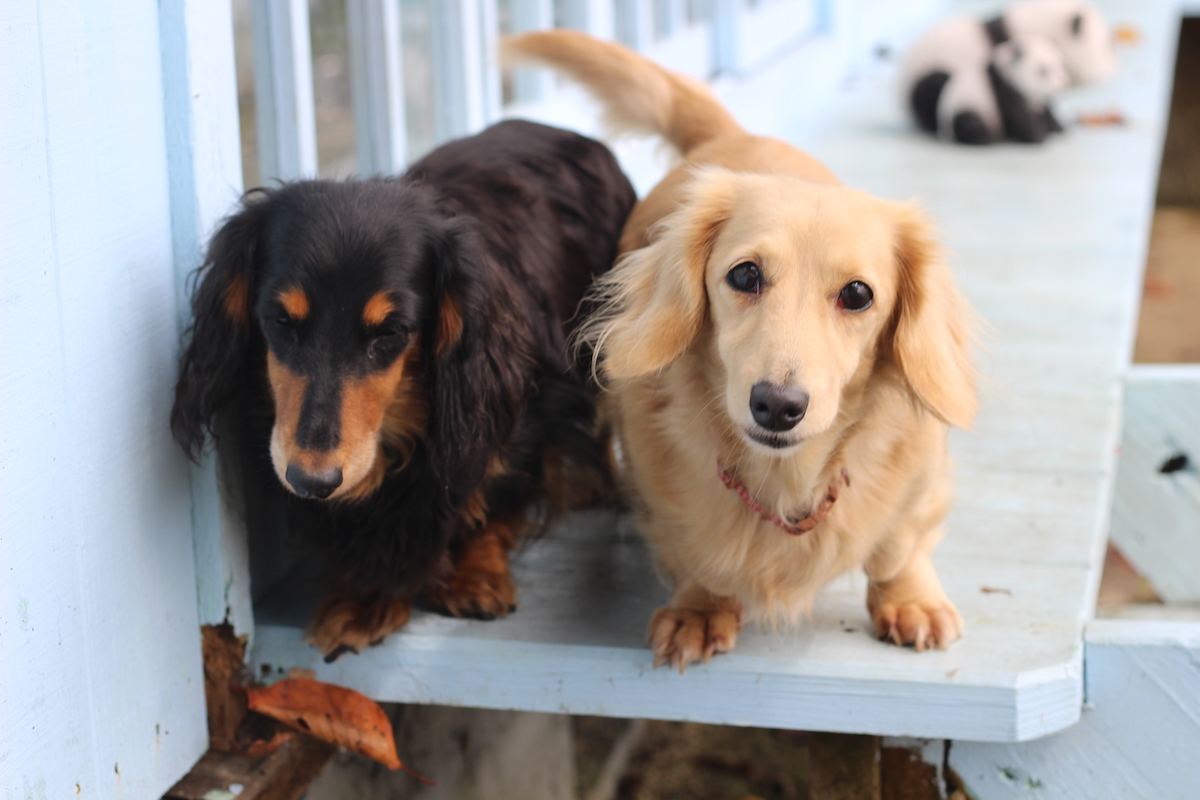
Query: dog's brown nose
[309, 484]
[777, 408]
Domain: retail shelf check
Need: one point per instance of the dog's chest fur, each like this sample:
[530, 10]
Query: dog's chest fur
[672, 437]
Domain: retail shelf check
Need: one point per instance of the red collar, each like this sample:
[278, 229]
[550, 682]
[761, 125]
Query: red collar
[792, 525]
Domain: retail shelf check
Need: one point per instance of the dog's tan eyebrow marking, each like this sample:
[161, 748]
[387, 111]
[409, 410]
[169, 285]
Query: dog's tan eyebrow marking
[377, 309]
[294, 302]
[237, 299]
[450, 324]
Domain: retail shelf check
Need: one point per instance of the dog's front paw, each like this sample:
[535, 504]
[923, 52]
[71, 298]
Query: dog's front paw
[476, 594]
[681, 636]
[345, 623]
[480, 584]
[932, 622]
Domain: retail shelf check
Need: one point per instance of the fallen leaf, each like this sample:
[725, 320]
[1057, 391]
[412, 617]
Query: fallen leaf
[333, 714]
[984, 589]
[1101, 118]
[1127, 34]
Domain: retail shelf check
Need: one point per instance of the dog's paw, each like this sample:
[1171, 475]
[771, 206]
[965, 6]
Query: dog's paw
[681, 636]
[922, 624]
[480, 584]
[348, 624]
[475, 594]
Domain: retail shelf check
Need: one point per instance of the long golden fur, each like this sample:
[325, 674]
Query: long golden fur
[680, 350]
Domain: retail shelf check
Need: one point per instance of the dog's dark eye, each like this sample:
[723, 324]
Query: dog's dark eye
[287, 332]
[855, 296]
[385, 344]
[745, 278]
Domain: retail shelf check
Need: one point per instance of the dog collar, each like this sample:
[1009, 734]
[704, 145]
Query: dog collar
[793, 525]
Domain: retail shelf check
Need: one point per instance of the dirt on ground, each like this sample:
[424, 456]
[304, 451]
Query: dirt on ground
[688, 761]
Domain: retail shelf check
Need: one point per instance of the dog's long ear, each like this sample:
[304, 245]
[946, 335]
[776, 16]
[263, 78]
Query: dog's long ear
[652, 305]
[934, 324]
[212, 368]
[480, 360]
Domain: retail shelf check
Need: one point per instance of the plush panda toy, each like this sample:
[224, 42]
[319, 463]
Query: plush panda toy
[1009, 99]
[1078, 29]
[970, 66]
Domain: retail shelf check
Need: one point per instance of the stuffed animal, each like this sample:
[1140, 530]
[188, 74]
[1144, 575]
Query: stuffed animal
[1078, 29]
[961, 67]
[1009, 99]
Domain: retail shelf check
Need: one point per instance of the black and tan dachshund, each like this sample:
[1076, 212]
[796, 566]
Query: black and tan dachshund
[403, 342]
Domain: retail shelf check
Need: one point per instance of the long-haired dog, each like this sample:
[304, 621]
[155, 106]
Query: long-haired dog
[401, 343]
[784, 356]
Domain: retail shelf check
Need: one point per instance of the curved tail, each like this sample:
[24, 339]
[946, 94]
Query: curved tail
[638, 95]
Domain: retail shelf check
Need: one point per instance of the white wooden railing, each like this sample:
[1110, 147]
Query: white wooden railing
[699, 37]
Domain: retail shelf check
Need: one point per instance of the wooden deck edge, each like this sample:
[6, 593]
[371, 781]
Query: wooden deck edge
[615, 683]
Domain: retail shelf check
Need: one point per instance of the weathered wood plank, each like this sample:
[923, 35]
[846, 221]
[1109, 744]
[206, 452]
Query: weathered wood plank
[282, 775]
[1156, 509]
[1138, 736]
[283, 88]
[101, 692]
[531, 85]
[377, 80]
[205, 165]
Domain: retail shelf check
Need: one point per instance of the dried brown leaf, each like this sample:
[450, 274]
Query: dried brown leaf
[334, 714]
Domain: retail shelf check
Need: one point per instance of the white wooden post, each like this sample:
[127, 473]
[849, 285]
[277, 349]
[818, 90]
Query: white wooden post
[377, 76]
[488, 15]
[532, 85]
[465, 99]
[634, 23]
[101, 679]
[205, 162]
[594, 16]
[725, 35]
[1156, 496]
[283, 84]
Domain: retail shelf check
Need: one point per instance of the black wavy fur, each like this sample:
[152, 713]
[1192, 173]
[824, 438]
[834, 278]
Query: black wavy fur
[514, 223]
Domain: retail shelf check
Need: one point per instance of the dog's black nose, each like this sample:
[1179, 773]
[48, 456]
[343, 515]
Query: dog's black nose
[777, 408]
[319, 485]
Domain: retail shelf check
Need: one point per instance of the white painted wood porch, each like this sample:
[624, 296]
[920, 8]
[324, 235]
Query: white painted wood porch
[1048, 243]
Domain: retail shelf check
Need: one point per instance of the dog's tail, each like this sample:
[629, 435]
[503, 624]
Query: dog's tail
[639, 96]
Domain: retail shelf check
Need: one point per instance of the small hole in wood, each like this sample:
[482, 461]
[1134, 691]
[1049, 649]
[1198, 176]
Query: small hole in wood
[1175, 463]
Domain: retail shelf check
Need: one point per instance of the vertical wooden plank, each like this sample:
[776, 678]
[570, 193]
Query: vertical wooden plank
[204, 159]
[633, 23]
[465, 97]
[532, 85]
[377, 77]
[726, 14]
[597, 17]
[1156, 494]
[488, 14]
[287, 132]
[101, 693]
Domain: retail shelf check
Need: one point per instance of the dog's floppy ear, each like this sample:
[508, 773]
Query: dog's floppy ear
[479, 357]
[934, 324]
[652, 305]
[212, 368]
